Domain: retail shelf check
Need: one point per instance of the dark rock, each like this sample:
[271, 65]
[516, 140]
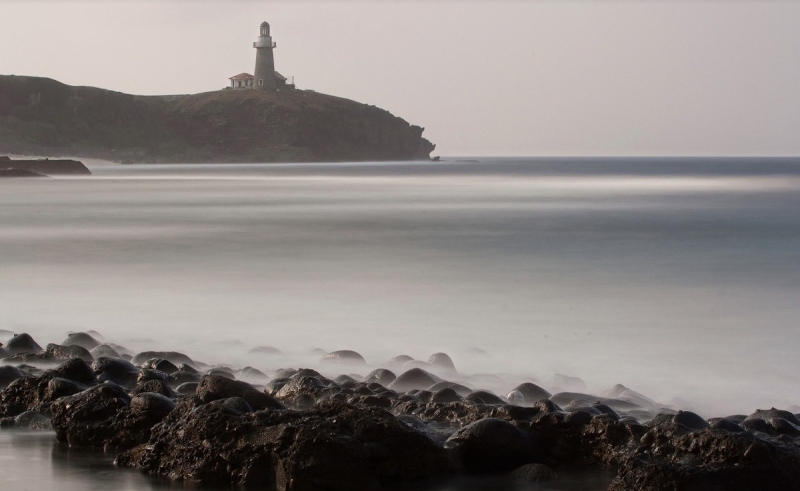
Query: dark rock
[221, 373]
[416, 378]
[333, 446]
[150, 405]
[530, 393]
[533, 473]
[484, 397]
[344, 357]
[9, 374]
[23, 343]
[160, 364]
[33, 420]
[303, 392]
[155, 386]
[59, 352]
[253, 373]
[213, 387]
[445, 395]
[690, 420]
[116, 370]
[759, 425]
[105, 351]
[399, 360]
[727, 425]
[181, 377]
[187, 388]
[14, 172]
[183, 367]
[75, 369]
[81, 339]
[89, 417]
[235, 404]
[461, 390]
[341, 379]
[784, 427]
[491, 445]
[381, 376]
[172, 356]
[767, 414]
[61, 387]
[442, 360]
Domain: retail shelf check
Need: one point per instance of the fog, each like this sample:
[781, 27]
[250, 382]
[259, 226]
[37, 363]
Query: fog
[484, 78]
[679, 285]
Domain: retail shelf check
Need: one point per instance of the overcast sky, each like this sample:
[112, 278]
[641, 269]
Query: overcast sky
[484, 78]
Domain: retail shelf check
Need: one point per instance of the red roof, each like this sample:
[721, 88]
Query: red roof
[242, 76]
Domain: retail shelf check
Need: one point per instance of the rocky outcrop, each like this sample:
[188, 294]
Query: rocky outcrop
[333, 446]
[45, 117]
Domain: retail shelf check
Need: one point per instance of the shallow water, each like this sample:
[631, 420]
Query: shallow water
[678, 278]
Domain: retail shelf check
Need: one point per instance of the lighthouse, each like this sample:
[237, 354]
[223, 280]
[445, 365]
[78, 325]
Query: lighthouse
[264, 78]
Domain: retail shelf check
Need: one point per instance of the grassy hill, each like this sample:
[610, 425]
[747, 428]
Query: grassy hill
[44, 117]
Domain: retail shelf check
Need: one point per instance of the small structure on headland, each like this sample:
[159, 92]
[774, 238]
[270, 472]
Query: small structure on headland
[265, 77]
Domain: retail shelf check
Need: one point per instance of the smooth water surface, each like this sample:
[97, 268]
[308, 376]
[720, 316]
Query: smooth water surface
[679, 278]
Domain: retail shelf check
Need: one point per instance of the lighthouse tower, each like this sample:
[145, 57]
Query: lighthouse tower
[264, 77]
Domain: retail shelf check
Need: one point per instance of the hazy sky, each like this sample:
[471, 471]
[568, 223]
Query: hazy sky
[483, 78]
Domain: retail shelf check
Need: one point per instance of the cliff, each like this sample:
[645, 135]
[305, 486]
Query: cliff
[44, 117]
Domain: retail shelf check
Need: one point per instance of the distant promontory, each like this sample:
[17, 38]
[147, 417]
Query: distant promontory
[40, 116]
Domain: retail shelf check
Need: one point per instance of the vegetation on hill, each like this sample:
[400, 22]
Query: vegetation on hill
[44, 117]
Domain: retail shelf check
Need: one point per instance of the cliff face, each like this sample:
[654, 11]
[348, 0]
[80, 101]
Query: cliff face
[45, 117]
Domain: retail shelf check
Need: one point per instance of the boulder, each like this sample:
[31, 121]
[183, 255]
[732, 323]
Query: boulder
[492, 445]
[23, 343]
[116, 370]
[104, 350]
[9, 374]
[213, 387]
[172, 356]
[333, 446]
[346, 357]
[416, 378]
[381, 376]
[528, 394]
[442, 360]
[151, 405]
[82, 339]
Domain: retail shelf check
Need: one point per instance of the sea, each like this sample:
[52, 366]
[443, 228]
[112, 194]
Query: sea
[676, 277]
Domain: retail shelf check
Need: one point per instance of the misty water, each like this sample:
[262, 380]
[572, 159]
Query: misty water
[679, 278]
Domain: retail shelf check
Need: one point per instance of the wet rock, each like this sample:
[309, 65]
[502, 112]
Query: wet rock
[75, 369]
[757, 425]
[156, 386]
[253, 373]
[398, 361]
[92, 417]
[442, 360]
[416, 378]
[727, 425]
[152, 406]
[333, 446]
[61, 387]
[461, 390]
[381, 376]
[275, 385]
[9, 374]
[708, 459]
[23, 343]
[59, 352]
[484, 397]
[530, 393]
[187, 388]
[303, 392]
[172, 356]
[235, 404]
[160, 364]
[4, 353]
[533, 473]
[213, 387]
[690, 420]
[767, 414]
[347, 357]
[491, 445]
[181, 377]
[33, 420]
[445, 395]
[116, 370]
[341, 379]
[221, 373]
[784, 427]
[82, 339]
[105, 351]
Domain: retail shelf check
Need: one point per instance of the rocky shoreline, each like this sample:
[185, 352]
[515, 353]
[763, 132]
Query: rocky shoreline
[405, 423]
